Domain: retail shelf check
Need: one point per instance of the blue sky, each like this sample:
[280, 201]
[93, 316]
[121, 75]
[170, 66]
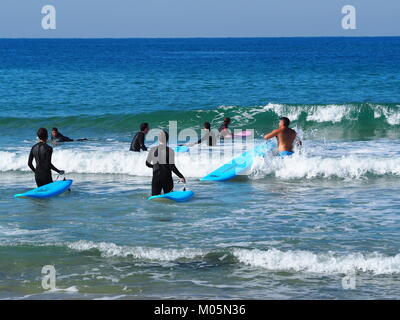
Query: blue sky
[200, 18]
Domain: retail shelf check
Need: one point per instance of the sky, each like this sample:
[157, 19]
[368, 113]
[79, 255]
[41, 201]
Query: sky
[197, 18]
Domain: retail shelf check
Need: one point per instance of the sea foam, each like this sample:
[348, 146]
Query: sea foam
[271, 259]
[300, 166]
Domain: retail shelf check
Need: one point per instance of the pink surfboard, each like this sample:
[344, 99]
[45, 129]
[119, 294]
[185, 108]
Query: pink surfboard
[243, 134]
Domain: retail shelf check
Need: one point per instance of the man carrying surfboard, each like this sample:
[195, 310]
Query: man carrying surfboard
[162, 160]
[285, 136]
[42, 153]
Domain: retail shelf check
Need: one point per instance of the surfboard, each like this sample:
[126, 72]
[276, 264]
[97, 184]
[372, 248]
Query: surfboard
[243, 134]
[178, 196]
[47, 191]
[182, 149]
[238, 165]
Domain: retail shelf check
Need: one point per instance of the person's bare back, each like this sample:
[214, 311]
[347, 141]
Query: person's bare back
[284, 135]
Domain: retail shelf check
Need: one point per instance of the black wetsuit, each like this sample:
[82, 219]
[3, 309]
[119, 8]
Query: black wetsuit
[138, 142]
[209, 137]
[60, 138]
[162, 160]
[42, 153]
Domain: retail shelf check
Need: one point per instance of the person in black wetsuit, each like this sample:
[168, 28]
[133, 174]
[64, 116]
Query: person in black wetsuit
[209, 137]
[162, 160]
[42, 153]
[224, 128]
[56, 136]
[137, 143]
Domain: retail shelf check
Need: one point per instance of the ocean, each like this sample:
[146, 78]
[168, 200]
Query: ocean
[323, 224]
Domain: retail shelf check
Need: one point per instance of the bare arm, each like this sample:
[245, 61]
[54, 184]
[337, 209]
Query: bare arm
[271, 135]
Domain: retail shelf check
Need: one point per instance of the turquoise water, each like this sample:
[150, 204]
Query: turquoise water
[291, 229]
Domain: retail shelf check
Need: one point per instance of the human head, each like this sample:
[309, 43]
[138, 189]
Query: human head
[144, 127]
[54, 132]
[207, 125]
[284, 122]
[43, 134]
[163, 137]
[227, 120]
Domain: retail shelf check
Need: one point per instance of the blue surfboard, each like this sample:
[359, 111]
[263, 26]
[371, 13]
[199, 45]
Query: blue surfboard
[182, 149]
[47, 191]
[239, 164]
[178, 196]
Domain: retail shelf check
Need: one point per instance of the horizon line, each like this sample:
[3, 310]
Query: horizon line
[201, 37]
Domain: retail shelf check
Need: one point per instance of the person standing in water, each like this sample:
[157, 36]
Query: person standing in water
[209, 137]
[42, 153]
[224, 128]
[285, 136]
[162, 160]
[137, 143]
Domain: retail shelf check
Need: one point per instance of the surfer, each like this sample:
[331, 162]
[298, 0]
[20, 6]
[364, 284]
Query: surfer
[285, 136]
[224, 128]
[209, 137]
[42, 153]
[137, 143]
[162, 160]
[56, 136]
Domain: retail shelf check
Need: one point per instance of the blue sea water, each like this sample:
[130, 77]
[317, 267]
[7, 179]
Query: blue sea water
[292, 229]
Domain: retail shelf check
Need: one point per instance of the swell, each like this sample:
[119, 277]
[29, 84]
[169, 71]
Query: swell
[354, 120]
[268, 259]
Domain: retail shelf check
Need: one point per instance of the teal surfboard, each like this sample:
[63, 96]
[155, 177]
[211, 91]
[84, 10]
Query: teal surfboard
[47, 191]
[178, 196]
[239, 164]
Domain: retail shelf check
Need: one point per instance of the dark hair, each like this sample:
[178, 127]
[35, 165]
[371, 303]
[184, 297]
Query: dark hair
[207, 125]
[54, 129]
[285, 120]
[227, 120]
[144, 126]
[42, 134]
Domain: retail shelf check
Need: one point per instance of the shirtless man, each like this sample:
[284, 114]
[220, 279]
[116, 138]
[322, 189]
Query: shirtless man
[285, 136]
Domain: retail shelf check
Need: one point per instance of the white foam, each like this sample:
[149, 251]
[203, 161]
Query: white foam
[345, 167]
[329, 263]
[109, 161]
[329, 113]
[357, 163]
[158, 254]
[272, 259]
